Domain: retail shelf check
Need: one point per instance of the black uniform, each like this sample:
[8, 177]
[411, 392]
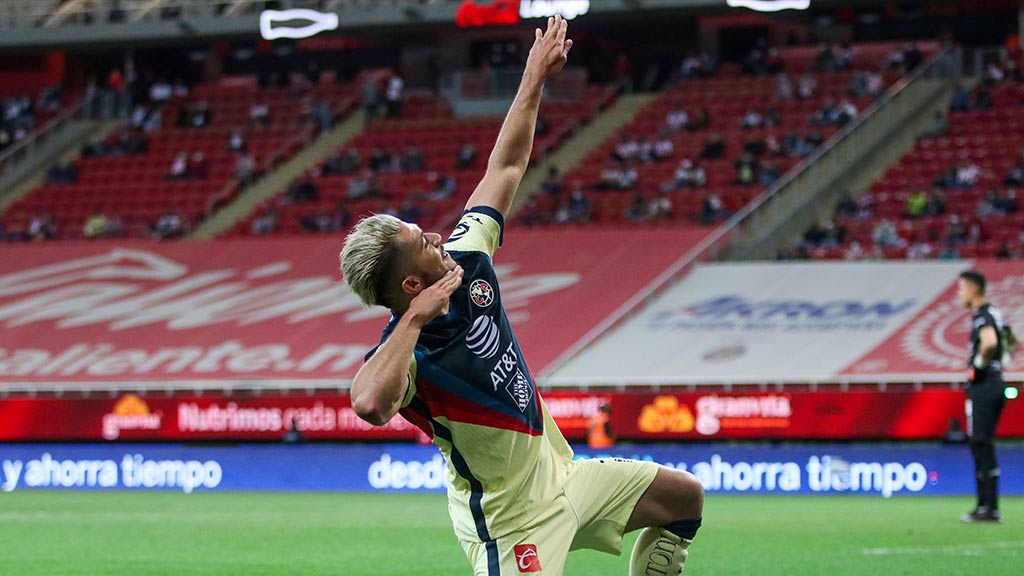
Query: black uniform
[985, 401]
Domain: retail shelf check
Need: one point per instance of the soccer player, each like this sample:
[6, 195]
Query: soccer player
[985, 396]
[449, 362]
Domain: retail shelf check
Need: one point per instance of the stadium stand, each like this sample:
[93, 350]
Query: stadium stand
[953, 196]
[768, 114]
[430, 189]
[173, 160]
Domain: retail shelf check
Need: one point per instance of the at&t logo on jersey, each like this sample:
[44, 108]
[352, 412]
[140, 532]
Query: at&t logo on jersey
[526, 557]
[484, 338]
[481, 293]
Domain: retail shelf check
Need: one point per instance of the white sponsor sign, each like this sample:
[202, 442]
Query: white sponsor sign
[762, 322]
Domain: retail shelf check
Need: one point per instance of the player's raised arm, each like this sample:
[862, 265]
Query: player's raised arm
[511, 153]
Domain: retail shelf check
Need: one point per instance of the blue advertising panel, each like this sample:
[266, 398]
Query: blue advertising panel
[884, 470]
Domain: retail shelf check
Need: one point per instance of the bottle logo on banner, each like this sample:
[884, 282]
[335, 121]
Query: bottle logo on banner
[130, 413]
[666, 414]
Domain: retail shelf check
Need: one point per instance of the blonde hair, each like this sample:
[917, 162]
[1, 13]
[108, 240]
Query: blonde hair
[368, 256]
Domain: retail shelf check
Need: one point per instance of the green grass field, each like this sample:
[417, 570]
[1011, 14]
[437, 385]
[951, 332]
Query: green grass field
[121, 533]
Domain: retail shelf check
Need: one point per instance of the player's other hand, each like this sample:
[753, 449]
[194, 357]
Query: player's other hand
[550, 48]
[433, 301]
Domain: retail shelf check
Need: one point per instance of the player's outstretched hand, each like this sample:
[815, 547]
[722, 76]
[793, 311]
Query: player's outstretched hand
[433, 301]
[551, 48]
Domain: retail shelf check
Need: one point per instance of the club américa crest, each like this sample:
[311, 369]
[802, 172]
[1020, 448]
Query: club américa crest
[481, 293]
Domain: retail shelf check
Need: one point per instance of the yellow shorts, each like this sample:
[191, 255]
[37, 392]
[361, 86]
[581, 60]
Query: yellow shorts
[591, 512]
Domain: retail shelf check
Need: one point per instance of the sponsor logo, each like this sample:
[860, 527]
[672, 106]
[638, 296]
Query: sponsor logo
[388, 473]
[715, 413]
[737, 312]
[130, 413]
[520, 390]
[484, 338]
[481, 293]
[665, 414]
[500, 12]
[314, 23]
[938, 337]
[568, 9]
[503, 367]
[526, 557]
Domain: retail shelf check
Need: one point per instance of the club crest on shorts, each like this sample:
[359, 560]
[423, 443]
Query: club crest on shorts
[526, 558]
[481, 293]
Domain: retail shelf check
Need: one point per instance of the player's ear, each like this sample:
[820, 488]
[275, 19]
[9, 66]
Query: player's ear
[413, 285]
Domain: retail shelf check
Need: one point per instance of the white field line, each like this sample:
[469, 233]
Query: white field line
[945, 550]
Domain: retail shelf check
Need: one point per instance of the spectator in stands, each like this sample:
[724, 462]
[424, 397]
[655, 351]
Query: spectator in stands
[700, 120]
[916, 203]
[577, 208]
[827, 114]
[937, 128]
[660, 207]
[854, 252]
[912, 56]
[180, 89]
[371, 97]
[95, 225]
[552, 184]
[442, 186]
[316, 221]
[380, 161]
[858, 85]
[713, 209]
[1004, 252]
[160, 91]
[865, 207]
[95, 148]
[755, 146]
[197, 166]
[259, 114]
[988, 205]
[115, 226]
[624, 73]
[201, 115]
[266, 223]
[967, 174]
[884, 235]
[768, 173]
[179, 169]
[1016, 175]
[772, 117]
[894, 59]
[646, 153]
[170, 224]
[956, 231]
[394, 95]
[936, 203]
[676, 120]
[825, 60]
[341, 217]
[772, 145]
[626, 150]
[919, 250]
[949, 251]
[846, 207]
[413, 160]
[466, 156]
[683, 176]
[783, 87]
[1007, 202]
[637, 210]
[62, 174]
[236, 141]
[698, 66]
[752, 119]
[410, 212]
[982, 98]
[302, 190]
[947, 180]
[746, 169]
[364, 186]
[808, 87]
[663, 149]
[130, 142]
[961, 100]
[714, 148]
[41, 227]
[825, 234]
[245, 169]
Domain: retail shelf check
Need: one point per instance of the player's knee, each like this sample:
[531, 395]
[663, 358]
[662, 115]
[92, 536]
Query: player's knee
[690, 495]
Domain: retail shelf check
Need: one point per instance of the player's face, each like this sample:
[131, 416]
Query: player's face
[430, 260]
[965, 292]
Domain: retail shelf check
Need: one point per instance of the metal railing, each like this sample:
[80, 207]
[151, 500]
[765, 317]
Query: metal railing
[726, 236]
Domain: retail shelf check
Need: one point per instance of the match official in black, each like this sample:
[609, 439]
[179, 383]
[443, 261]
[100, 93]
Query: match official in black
[985, 391]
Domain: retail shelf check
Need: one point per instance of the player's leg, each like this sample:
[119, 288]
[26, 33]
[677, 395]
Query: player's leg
[985, 407]
[669, 513]
[540, 548]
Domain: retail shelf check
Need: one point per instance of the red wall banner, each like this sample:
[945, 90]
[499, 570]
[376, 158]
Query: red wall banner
[274, 309]
[864, 415]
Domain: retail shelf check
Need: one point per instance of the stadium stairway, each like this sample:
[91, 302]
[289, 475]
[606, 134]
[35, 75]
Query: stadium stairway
[848, 161]
[273, 182]
[574, 150]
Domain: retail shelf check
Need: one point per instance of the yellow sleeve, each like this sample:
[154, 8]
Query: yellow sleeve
[481, 229]
[411, 391]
